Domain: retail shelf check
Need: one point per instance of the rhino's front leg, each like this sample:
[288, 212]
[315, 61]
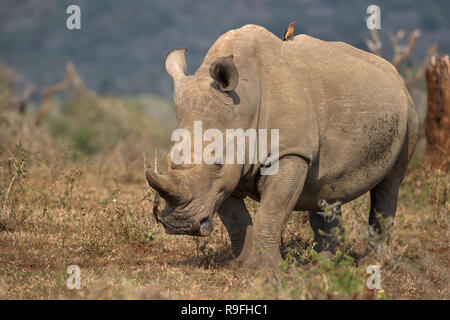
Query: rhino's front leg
[280, 192]
[238, 222]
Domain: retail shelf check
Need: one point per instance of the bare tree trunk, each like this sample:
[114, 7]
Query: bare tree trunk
[437, 122]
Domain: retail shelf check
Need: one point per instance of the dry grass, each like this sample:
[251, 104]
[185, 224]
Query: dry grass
[94, 212]
[56, 217]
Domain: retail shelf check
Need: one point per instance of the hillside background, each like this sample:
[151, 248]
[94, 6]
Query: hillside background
[121, 48]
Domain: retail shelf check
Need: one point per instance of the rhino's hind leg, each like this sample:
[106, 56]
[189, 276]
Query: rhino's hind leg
[325, 228]
[238, 223]
[384, 196]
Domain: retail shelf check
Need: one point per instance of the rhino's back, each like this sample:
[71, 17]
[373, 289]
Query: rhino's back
[362, 107]
[360, 100]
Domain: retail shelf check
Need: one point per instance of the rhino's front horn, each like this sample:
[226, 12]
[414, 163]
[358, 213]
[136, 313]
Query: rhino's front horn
[172, 192]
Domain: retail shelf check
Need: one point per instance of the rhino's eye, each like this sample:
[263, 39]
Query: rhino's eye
[219, 166]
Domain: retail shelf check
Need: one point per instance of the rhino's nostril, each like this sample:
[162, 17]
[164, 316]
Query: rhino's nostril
[202, 221]
[206, 226]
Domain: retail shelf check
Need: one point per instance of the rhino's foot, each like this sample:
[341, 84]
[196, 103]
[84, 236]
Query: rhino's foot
[264, 260]
[326, 246]
[326, 230]
[378, 242]
[240, 261]
[236, 263]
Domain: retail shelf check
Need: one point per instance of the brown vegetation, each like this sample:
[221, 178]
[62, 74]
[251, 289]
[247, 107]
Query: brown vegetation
[72, 78]
[70, 195]
[59, 214]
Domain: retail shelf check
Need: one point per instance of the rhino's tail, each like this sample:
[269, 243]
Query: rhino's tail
[413, 126]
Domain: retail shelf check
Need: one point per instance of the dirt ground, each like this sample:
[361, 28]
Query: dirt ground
[97, 215]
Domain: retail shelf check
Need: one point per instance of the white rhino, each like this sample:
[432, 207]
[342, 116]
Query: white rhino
[347, 125]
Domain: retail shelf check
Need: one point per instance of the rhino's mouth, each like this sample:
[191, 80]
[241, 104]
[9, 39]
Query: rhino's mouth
[199, 228]
[202, 228]
[194, 226]
[183, 215]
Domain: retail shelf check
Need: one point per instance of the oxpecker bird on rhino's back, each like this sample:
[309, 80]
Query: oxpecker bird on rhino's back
[289, 32]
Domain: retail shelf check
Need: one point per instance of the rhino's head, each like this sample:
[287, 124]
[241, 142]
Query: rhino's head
[193, 192]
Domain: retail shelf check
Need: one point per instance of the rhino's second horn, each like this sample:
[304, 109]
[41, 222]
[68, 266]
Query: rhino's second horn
[173, 193]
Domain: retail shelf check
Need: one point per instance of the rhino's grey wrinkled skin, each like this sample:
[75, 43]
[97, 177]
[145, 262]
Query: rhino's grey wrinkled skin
[347, 126]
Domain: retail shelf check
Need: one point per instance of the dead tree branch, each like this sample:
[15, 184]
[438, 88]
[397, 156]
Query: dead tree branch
[413, 77]
[374, 44]
[402, 53]
[71, 78]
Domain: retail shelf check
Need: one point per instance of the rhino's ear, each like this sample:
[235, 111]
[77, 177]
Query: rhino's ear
[176, 64]
[224, 72]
